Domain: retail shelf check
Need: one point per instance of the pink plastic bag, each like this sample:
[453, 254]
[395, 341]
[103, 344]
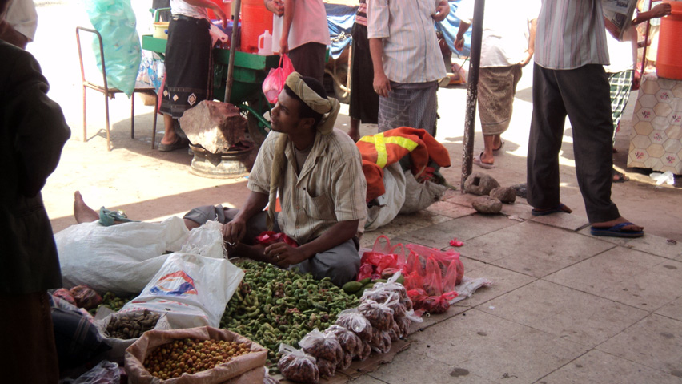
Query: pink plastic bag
[274, 82]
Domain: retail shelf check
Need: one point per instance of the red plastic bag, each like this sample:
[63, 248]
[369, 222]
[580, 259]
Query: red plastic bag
[382, 257]
[277, 77]
[433, 282]
[268, 238]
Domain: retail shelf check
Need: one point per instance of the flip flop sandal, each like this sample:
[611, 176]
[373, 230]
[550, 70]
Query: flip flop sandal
[616, 231]
[497, 151]
[562, 208]
[178, 144]
[479, 162]
[617, 176]
[108, 217]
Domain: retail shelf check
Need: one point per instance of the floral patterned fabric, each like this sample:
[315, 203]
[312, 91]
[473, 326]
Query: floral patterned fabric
[656, 140]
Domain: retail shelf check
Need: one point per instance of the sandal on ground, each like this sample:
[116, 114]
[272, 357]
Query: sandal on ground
[497, 150]
[479, 162]
[562, 208]
[616, 231]
[178, 144]
[108, 217]
[617, 176]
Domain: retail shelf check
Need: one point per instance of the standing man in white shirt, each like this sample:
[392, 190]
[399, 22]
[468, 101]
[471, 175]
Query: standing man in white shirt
[300, 30]
[569, 80]
[407, 61]
[508, 44]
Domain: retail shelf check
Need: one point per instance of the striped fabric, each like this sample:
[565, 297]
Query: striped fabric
[621, 84]
[330, 187]
[411, 51]
[570, 34]
[409, 105]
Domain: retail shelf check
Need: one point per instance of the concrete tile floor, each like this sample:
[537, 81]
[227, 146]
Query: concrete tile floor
[564, 307]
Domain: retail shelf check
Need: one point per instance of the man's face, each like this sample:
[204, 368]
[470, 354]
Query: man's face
[285, 116]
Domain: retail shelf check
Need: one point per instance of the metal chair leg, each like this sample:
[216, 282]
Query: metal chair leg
[106, 104]
[132, 116]
[156, 115]
[84, 114]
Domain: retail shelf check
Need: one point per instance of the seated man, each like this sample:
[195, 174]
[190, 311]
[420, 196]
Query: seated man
[317, 172]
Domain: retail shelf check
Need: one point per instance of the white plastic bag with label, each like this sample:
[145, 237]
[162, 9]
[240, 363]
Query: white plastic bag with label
[192, 290]
[121, 258]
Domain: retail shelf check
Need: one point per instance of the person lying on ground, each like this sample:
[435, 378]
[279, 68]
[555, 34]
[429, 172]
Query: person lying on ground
[317, 172]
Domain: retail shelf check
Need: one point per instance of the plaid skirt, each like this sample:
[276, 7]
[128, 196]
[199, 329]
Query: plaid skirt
[621, 84]
[409, 105]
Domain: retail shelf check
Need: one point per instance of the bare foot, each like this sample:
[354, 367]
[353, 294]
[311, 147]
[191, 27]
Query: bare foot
[81, 211]
[617, 221]
[354, 135]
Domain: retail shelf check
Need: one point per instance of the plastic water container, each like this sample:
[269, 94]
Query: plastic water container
[255, 20]
[265, 44]
[161, 29]
[669, 55]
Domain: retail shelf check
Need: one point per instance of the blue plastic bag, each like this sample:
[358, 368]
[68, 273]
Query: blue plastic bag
[115, 21]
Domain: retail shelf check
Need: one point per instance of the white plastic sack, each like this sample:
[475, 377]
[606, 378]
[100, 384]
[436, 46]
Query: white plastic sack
[190, 289]
[392, 200]
[121, 258]
[419, 196]
[206, 241]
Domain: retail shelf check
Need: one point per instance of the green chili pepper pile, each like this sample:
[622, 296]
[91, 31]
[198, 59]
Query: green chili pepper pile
[274, 306]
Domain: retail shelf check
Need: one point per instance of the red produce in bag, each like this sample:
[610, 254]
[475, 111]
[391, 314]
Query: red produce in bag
[268, 238]
[274, 82]
[433, 282]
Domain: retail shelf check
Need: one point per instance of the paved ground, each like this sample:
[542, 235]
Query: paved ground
[564, 307]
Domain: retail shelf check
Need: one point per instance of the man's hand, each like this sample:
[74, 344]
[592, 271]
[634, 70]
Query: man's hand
[275, 6]
[529, 55]
[661, 10]
[234, 231]
[442, 11]
[283, 255]
[382, 86]
[613, 30]
[459, 42]
[283, 45]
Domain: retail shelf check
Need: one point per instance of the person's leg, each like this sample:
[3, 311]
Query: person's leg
[354, 132]
[169, 135]
[586, 93]
[423, 107]
[27, 339]
[544, 141]
[496, 90]
[340, 263]
[620, 84]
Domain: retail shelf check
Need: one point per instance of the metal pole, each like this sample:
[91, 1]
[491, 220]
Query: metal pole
[472, 91]
[233, 51]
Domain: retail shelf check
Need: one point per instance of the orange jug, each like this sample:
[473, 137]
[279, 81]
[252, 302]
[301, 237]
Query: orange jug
[256, 19]
[669, 55]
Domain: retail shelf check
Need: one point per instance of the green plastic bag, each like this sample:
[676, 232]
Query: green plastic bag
[115, 21]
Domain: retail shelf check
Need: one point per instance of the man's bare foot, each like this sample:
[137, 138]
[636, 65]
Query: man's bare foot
[617, 221]
[81, 211]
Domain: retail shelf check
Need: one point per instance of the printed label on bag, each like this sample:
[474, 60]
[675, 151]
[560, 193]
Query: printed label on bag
[178, 283]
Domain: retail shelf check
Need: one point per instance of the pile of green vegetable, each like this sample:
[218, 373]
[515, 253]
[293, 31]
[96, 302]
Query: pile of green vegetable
[113, 302]
[274, 306]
